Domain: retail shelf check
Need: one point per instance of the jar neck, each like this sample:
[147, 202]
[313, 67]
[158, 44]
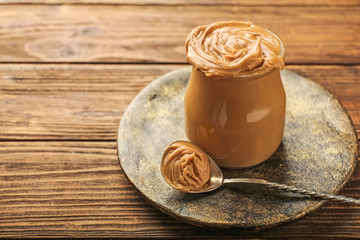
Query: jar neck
[245, 78]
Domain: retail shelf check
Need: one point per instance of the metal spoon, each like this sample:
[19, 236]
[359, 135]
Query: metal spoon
[217, 180]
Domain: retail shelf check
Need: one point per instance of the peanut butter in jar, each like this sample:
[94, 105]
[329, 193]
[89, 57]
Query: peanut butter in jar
[235, 100]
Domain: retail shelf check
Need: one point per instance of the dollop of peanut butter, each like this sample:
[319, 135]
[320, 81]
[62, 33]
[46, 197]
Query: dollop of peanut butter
[234, 49]
[186, 167]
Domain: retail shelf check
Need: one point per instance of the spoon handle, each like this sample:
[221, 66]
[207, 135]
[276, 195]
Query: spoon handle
[289, 188]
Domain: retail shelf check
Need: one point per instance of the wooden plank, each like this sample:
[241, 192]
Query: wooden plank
[86, 102]
[128, 34]
[196, 2]
[69, 101]
[77, 189]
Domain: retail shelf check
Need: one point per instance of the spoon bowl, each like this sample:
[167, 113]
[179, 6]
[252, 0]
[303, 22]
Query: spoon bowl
[217, 180]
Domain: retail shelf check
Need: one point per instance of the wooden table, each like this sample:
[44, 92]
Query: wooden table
[70, 68]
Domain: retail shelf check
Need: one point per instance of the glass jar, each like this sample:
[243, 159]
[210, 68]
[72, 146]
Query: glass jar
[238, 121]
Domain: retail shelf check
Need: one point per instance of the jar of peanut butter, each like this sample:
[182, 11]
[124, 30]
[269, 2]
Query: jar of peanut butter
[235, 100]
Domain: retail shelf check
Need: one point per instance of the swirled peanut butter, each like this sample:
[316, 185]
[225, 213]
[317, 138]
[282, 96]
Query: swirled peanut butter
[186, 167]
[233, 49]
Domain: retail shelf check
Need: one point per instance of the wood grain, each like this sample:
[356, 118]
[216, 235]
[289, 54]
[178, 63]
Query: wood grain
[86, 102]
[77, 189]
[142, 34]
[196, 2]
[72, 102]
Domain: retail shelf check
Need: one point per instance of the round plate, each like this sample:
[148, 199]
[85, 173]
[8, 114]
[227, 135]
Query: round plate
[318, 151]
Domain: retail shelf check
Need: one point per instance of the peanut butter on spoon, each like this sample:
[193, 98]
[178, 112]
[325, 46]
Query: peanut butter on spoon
[185, 166]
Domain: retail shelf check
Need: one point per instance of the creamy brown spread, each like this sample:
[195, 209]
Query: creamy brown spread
[186, 167]
[233, 49]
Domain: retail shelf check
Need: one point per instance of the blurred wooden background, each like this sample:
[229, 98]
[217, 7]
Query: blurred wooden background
[69, 69]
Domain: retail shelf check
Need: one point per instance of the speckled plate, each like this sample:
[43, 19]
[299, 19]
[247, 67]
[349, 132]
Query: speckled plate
[318, 151]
